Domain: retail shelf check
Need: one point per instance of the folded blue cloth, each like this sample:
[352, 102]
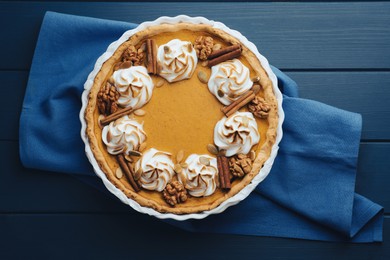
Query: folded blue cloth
[308, 194]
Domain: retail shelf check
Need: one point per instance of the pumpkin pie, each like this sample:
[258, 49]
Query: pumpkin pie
[181, 117]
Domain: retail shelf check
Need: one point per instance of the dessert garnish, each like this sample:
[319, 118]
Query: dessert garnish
[203, 46]
[174, 193]
[240, 102]
[224, 54]
[139, 112]
[151, 56]
[223, 171]
[202, 77]
[128, 170]
[123, 65]
[259, 107]
[229, 80]
[123, 135]
[223, 166]
[240, 164]
[200, 177]
[237, 133]
[178, 60]
[134, 85]
[156, 168]
[118, 114]
[107, 99]
[133, 56]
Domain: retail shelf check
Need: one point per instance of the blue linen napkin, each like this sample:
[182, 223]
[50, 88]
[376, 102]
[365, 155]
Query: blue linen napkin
[308, 194]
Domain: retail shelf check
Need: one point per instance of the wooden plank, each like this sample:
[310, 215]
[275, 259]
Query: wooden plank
[39, 191]
[124, 236]
[27, 190]
[291, 35]
[367, 93]
[13, 88]
[362, 92]
[373, 172]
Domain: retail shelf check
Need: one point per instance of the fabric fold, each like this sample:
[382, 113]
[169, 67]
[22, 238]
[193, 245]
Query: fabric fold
[309, 193]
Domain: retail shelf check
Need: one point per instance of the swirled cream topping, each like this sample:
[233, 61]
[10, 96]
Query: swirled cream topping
[177, 59]
[237, 133]
[156, 169]
[134, 85]
[229, 80]
[123, 135]
[200, 177]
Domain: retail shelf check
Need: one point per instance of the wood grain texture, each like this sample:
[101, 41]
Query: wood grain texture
[34, 191]
[366, 93]
[291, 35]
[337, 52]
[122, 236]
[74, 196]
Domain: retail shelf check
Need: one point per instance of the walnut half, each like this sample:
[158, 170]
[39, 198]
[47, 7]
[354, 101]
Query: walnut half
[240, 165]
[107, 99]
[174, 193]
[203, 47]
[259, 107]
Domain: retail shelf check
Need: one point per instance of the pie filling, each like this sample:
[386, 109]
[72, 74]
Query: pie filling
[179, 119]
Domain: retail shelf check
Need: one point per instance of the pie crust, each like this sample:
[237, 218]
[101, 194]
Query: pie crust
[270, 128]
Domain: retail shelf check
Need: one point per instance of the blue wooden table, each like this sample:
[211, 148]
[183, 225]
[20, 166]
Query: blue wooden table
[339, 54]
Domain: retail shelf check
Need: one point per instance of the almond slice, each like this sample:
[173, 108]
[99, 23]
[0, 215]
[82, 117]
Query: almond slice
[255, 79]
[212, 149]
[178, 169]
[217, 47]
[252, 155]
[256, 88]
[159, 83]
[135, 153]
[142, 146]
[139, 112]
[128, 158]
[203, 77]
[204, 160]
[180, 156]
[119, 173]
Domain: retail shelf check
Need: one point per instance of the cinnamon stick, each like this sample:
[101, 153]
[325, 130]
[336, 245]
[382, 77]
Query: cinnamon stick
[234, 103]
[220, 172]
[222, 51]
[128, 170]
[239, 103]
[226, 171]
[116, 115]
[151, 56]
[224, 57]
[224, 176]
[154, 53]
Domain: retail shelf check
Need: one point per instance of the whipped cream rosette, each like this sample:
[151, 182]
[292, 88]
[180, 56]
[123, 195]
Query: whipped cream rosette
[237, 133]
[123, 135]
[229, 80]
[134, 85]
[177, 59]
[156, 169]
[200, 177]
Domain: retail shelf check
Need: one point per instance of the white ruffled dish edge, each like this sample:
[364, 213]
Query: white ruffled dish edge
[229, 202]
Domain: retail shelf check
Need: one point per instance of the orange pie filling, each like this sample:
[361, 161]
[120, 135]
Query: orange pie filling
[199, 123]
